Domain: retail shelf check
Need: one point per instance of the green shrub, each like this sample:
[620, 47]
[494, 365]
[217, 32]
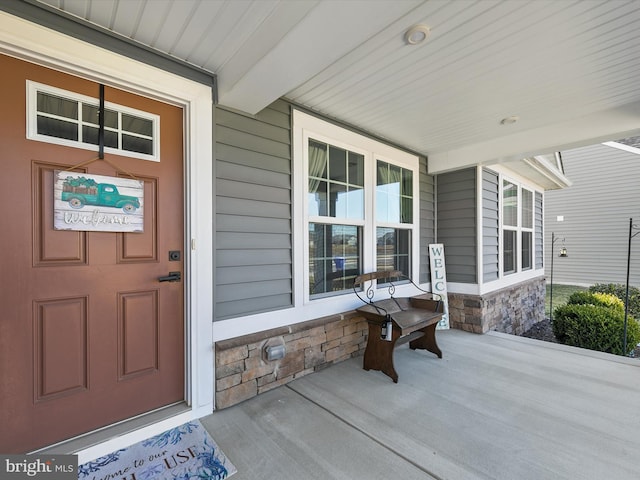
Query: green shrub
[607, 300]
[595, 327]
[620, 290]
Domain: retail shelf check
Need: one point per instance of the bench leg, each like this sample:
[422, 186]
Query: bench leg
[379, 353]
[427, 341]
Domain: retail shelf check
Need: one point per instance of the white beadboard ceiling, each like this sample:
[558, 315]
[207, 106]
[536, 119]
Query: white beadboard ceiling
[570, 70]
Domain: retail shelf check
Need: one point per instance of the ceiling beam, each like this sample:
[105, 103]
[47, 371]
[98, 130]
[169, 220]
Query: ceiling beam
[590, 129]
[299, 55]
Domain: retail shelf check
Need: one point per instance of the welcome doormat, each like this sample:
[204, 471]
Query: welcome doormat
[186, 452]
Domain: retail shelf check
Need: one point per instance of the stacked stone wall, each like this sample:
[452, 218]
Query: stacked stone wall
[242, 371]
[513, 310]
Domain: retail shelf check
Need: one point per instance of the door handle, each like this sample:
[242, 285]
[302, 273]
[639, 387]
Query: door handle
[172, 277]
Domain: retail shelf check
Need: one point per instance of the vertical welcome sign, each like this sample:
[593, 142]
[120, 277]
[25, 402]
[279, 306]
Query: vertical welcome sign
[439, 280]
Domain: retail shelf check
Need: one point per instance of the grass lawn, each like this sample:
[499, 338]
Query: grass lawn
[561, 294]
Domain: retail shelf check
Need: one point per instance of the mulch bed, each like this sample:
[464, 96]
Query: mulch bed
[541, 331]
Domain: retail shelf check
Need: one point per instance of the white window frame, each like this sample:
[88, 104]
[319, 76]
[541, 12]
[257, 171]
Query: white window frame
[519, 229]
[33, 88]
[309, 127]
[399, 225]
[524, 229]
[327, 220]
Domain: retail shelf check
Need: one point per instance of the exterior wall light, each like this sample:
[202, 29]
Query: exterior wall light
[274, 351]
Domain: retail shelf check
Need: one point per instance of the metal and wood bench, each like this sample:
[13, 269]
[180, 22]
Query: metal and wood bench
[395, 321]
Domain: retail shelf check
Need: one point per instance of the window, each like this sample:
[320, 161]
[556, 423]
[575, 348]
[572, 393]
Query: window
[517, 228]
[393, 251]
[394, 212]
[526, 245]
[360, 199]
[66, 118]
[509, 226]
[336, 199]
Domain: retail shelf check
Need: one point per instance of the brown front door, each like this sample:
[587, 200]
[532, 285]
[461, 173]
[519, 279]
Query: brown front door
[88, 335]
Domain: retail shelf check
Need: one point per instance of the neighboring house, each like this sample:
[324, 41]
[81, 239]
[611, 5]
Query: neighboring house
[257, 211]
[591, 217]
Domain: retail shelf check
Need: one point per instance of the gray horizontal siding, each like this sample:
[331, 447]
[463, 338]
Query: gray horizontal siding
[233, 294]
[240, 156]
[237, 308]
[427, 219]
[456, 223]
[237, 189]
[605, 193]
[539, 229]
[251, 174]
[253, 271]
[260, 241]
[273, 127]
[251, 274]
[238, 257]
[244, 207]
[247, 223]
[251, 142]
[490, 226]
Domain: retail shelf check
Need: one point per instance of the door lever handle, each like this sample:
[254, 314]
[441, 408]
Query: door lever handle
[172, 277]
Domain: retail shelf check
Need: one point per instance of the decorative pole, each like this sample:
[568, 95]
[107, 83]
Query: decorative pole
[563, 253]
[553, 240]
[626, 299]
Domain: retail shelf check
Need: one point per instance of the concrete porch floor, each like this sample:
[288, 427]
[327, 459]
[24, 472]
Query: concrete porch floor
[495, 407]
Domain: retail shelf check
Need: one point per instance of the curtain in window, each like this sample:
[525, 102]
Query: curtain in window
[389, 174]
[389, 204]
[317, 164]
[57, 106]
[57, 127]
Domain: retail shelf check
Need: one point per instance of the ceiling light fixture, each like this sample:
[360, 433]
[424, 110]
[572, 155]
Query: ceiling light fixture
[509, 120]
[417, 34]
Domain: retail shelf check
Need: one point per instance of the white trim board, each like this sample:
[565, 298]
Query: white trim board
[622, 146]
[37, 44]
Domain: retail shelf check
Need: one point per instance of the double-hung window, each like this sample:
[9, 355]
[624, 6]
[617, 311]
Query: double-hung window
[394, 217]
[360, 199]
[526, 232]
[517, 228]
[336, 215]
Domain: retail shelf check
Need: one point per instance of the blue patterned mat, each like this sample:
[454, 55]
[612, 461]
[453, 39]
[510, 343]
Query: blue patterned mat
[186, 452]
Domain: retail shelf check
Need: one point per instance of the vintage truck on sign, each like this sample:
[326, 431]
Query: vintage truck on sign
[86, 191]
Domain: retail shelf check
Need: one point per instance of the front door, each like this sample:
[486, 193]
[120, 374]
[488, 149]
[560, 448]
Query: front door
[88, 334]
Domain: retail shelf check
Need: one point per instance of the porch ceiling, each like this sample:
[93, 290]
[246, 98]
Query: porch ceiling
[569, 70]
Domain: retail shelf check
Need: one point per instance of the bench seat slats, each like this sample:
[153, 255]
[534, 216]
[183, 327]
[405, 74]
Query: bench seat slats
[407, 320]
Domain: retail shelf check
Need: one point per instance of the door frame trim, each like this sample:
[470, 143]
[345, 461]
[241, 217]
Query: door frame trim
[37, 44]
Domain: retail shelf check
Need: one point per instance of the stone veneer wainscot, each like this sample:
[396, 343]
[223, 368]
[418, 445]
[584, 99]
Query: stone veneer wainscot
[513, 310]
[242, 373]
